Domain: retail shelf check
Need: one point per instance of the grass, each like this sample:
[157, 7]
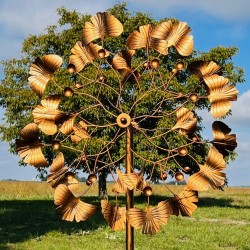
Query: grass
[28, 221]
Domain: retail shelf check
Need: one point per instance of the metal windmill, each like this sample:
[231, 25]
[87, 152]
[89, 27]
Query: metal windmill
[134, 100]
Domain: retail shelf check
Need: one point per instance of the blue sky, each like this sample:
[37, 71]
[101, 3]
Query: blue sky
[214, 22]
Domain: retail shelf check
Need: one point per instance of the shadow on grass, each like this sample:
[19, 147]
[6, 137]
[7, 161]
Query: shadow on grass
[24, 219]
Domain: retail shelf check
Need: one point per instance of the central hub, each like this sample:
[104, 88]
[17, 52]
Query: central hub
[123, 120]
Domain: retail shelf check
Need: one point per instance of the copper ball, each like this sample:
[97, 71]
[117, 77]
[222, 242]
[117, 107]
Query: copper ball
[187, 169]
[155, 63]
[195, 138]
[88, 183]
[92, 178]
[163, 176]
[101, 78]
[182, 151]
[193, 97]
[179, 66]
[70, 176]
[146, 65]
[179, 176]
[68, 91]
[56, 145]
[101, 53]
[71, 68]
[147, 191]
[78, 85]
[174, 71]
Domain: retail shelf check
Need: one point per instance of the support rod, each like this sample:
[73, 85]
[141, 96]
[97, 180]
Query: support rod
[130, 193]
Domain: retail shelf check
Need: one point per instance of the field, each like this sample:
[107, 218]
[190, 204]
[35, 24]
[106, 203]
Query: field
[28, 221]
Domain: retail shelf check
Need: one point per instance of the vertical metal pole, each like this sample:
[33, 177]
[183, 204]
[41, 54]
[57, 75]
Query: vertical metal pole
[130, 193]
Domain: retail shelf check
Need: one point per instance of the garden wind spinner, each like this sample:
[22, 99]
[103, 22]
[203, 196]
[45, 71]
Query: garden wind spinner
[131, 110]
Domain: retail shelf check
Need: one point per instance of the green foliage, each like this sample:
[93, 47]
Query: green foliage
[19, 101]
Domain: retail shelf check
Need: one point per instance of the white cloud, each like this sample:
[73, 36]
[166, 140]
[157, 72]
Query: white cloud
[241, 111]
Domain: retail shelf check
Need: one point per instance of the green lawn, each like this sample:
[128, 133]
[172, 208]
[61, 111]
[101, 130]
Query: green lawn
[28, 221]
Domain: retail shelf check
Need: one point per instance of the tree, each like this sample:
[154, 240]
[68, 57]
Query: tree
[19, 101]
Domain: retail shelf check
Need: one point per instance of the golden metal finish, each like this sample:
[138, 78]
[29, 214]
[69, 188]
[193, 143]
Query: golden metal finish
[143, 39]
[210, 173]
[151, 220]
[223, 141]
[41, 72]
[204, 69]
[183, 203]
[220, 94]
[82, 55]
[47, 114]
[175, 35]
[186, 120]
[70, 207]
[134, 79]
[114, 215]
[29, 147]
[123, 120]
[101, 25]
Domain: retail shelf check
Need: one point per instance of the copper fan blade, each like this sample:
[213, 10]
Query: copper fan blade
[80, 132]
[41, 72]
[47, 114]
[29, 147]
[102, 24]
[71, 182]
[122, 63]
[151, 220]
[83, 55]
[124, 182]
[204, 69]
[220, 94]
[58, 163]
[209, 174]
[142, 39]
[223, 141]
[68, 126]
[71, 207]
[58, 171]
[186, 121]
[57, 177]
[123, 59]
[176, 35]
[115, 216]
[140, 182]
[183, 203]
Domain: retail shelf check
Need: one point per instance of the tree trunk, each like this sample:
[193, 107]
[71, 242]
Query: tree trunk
[102, 185]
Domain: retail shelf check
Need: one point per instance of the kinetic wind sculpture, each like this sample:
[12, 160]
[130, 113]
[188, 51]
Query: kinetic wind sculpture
[129, 109]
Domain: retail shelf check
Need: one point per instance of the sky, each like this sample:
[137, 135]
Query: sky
[213, 23]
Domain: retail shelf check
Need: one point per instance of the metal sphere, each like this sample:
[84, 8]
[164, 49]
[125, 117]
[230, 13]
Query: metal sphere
[101, 53]
[179, 66]
[92, 178]
[147, 191]
[56, 145]
[182, 151]
[101, 78]
[155, 63]
[163, 176]
[193, 97]
[78, 85]
[71, 68]
[187, 169]
[179, 176]
[68, 91]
